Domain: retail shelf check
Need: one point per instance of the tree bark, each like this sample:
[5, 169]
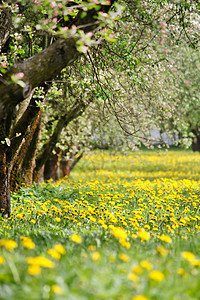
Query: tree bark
[4, 173]
[47, 148]
[22, 125]
[196, 138]
[39, 68]
[22, 162]
[68, 164]
[51, 166]
[196, 144]
[29, 160]
[5, 26]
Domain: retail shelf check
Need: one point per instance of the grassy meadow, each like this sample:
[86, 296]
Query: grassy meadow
[124, 227]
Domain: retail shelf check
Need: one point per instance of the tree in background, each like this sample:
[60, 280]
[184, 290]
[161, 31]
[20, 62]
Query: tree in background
[184, 76]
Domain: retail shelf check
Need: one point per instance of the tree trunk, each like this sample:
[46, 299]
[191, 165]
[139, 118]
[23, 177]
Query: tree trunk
[5, 26]
[68, 164]
[51, 166]
[22, 151]
[47, 148]
[65, 166]
[22, 163]
[196, 139]
[196, 144]
[4, 186]
[4, 172]
[29, 160]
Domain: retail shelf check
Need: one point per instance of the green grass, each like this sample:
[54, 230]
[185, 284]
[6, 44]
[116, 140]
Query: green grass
[128, 226]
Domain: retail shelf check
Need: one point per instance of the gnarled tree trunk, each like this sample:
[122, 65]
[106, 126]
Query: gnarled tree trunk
[196, 144]
[37, 70]
[196, 139]
[68, 164]
[30, 157]
[46, 151]
[51, 166]
[5, 26]
[4, 173]
[23, 162]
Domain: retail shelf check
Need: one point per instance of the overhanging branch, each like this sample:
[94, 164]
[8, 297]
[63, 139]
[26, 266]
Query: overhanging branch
[45, 65]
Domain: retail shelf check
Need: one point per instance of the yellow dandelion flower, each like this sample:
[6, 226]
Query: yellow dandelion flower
[195, 262]
[40, 261]
[147, 227]
[20, 216]
[54, 253]
[27, 242]
[181, 271]
[165, 238]
[57, 289]
[156, 275]
[146, 265]
[162, 251]
[2, 260]
[188, 255]
[96, 256]
[33, 221]
[76, 238]
[92, 219]
[139, 297]
[57, 219]
[101, 222]
[10, 245]
[92, 248]
[137, 269]
[133, 277]
[34, 270]
[144, 235]
[59, 248]
[124, 243]
[124, 257]
[134, 236]
[182, 221]
[119, 233]
[112, 227]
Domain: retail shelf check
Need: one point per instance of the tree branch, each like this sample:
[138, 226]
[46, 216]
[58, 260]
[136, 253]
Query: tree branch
[45, 65]
[22, 125]
[47, 148]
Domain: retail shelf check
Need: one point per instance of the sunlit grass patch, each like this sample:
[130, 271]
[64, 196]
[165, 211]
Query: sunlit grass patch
[122, 227]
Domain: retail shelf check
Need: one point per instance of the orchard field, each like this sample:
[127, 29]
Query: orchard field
[122, 227]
